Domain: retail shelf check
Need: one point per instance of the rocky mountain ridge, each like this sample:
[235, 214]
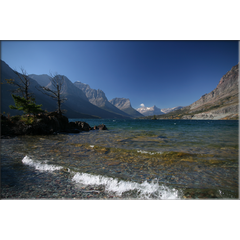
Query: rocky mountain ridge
[84, 102]
[98, 98]
[227, 86]
[42, 79]
[124, 105]
[76, 106]
[221, 103]
[167, 110]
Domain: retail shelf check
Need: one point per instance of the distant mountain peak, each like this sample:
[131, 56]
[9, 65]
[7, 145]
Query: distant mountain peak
[98, 98]
[124, 104]
[149, 111]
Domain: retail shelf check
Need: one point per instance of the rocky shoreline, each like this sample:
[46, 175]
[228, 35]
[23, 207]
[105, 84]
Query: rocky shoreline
[22, 182]
[36, 185]
[42, 124]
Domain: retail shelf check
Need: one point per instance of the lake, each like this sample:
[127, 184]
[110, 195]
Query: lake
[133, 159]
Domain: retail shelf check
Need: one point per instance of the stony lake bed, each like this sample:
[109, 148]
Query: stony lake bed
[134, 159]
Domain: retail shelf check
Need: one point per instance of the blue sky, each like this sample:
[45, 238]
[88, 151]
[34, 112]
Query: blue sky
[161, 73]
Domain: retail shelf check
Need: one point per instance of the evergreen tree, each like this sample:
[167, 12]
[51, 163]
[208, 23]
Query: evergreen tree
[27, 106]
[154, 117]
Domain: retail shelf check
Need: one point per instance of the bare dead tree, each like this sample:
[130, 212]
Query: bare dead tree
[56, 91]
[22, 85]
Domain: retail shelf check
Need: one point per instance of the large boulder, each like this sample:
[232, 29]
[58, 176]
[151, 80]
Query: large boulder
[83, 126]
[102, 127]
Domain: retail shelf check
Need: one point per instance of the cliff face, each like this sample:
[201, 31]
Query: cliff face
[96, 97]
[221, 103]
[226, 90]
[121, 103]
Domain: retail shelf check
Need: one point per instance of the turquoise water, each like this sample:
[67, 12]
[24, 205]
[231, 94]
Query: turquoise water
[192, 136]
[144, 159]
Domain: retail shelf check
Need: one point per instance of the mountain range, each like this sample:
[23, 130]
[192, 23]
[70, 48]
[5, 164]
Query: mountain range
[99, 99]
[85, 102]
[82, 102]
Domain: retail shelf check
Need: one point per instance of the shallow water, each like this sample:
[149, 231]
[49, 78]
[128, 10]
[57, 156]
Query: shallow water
[139, 159]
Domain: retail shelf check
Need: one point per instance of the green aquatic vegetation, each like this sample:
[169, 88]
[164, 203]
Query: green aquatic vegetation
[102, 150]
[75, 144]
[148, 134]
[187, 160]
[148, 158]
[223, 146]
[216, 162]
[175, 154]
[146, 139]
[234, 147]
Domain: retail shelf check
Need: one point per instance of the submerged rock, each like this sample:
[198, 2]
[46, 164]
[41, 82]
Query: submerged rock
[102, 127]
[83, 126]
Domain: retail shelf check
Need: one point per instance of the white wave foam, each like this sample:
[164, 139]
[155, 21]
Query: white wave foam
[145, 190]
[150, 153]
[40, 166]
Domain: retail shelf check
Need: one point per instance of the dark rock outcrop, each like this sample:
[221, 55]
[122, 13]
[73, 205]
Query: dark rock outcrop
[82, 126]
[42, 124]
